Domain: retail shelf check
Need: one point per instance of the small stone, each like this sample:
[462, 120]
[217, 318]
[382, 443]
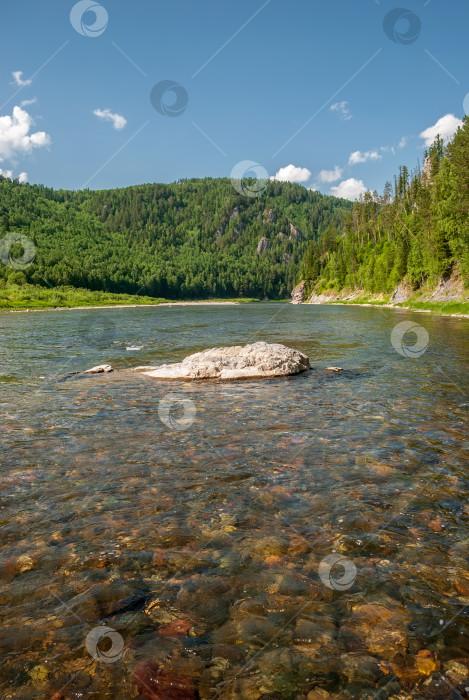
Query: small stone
[244, 689]
[334, 369]
[24, 563]
[176, 628]
[38, 675]
[381, 630]
[425, 663]
[99, 369]
[457, 671]
[159, 614]
[461, 582]
[153, 683]
[318, 694]
[436, 525]
[159, 557]
[265, 547]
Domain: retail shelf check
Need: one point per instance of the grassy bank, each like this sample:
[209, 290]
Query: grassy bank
[438, 307]
[31, 297]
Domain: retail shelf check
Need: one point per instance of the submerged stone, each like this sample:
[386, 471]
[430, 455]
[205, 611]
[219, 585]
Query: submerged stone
[153, 683]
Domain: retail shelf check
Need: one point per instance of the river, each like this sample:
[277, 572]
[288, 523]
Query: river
[253, 539]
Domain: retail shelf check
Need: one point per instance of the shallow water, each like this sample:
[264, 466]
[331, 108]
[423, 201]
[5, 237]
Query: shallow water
[277, 537]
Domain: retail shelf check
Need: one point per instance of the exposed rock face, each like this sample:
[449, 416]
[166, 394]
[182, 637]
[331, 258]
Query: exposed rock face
[321, 298]
[295, 233]
[248, 362]
[427, 169]
[401, 293]
[236, 231]
[282, 236]
[269, 216]
[298, 294]
[449, 288]
[286, 258]
[263, 245]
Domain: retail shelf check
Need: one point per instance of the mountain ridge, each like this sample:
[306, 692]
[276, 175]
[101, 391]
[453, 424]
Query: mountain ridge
[192, 239]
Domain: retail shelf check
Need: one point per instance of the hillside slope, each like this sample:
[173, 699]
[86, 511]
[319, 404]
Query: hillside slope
[188, 240]
[410, 243]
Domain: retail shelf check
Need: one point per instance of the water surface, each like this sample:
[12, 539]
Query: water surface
[207, 550]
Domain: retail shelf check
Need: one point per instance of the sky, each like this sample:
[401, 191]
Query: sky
[333, 94]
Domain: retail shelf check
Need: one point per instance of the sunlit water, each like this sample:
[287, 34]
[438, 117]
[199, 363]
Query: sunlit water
[210, 550]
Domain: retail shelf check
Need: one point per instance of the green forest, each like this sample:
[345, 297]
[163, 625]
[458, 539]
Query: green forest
[201, 239]
[194, 239]
[416, 232]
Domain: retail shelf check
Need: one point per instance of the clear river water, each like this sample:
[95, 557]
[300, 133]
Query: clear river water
[282, 538]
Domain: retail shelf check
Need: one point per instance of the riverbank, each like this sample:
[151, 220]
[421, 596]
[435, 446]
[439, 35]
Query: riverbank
[449, 297]
[458, 309]
[27, 298]
[125, 306]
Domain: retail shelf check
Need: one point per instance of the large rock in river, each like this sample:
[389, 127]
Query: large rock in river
[248, 362]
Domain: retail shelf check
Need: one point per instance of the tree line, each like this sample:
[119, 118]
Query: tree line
[191, 239]
[416, 232]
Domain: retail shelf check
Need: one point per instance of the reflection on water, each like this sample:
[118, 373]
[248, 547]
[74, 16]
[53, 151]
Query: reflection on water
[303, 535]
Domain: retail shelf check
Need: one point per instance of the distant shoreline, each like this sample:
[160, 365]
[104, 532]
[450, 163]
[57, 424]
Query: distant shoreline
[127, 306]
[435, 311]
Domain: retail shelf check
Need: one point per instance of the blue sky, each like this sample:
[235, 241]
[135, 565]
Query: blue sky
[261, 78]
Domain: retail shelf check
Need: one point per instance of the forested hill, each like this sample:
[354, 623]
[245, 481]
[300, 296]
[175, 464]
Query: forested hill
[191, 239]
[416, 233]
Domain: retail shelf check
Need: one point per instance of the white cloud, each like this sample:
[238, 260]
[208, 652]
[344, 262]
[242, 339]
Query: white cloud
[15, 137]
[446, 127]
[291, 173]
[359, 157]
[349, 189]
[403, 142]
[17, 77]
[32, 101]
[343, 109]
[22, 177]
[330, 175]
[118, 121]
